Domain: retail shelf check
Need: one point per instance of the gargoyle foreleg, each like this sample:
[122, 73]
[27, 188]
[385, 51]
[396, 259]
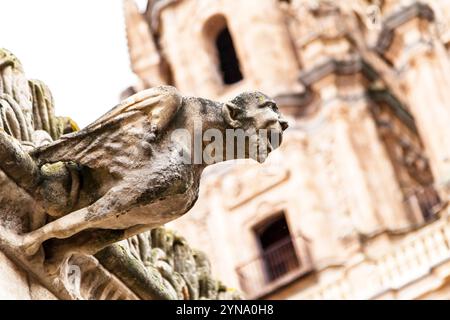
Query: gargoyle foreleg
[61, 228]
[97, 215]
[90, 241]
[87, 242]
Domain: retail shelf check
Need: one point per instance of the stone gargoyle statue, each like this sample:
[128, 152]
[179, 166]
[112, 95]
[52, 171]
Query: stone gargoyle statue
[125, 173]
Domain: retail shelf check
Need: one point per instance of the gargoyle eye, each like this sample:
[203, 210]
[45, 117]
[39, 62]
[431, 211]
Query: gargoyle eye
[271, 105]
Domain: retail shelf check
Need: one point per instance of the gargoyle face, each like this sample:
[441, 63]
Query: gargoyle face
[258, 116]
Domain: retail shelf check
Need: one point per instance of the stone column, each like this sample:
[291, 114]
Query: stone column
[367, 181]
[374, 195]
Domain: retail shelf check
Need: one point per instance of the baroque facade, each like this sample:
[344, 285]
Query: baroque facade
[354, 203]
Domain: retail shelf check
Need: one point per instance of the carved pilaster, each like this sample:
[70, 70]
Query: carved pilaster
[409, 45]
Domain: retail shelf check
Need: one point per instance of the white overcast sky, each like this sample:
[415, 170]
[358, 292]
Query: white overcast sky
[78, 48]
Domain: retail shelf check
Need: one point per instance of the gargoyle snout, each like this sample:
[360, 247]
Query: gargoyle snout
[283, 123]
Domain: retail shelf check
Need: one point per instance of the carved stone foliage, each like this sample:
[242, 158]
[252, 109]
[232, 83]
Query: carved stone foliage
[176, 271]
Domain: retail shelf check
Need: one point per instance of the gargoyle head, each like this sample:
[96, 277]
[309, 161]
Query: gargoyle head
[258, 117]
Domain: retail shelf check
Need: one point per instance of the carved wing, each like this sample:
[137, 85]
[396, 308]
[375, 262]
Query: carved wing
[160, 103]
[118, 131]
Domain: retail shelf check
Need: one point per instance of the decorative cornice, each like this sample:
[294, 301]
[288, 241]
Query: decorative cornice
[416, 10]
[350, 67]
[294, 99]
[339, 67]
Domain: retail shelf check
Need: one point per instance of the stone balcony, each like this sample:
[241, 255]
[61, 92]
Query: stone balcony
[409, 271]
[281, 264]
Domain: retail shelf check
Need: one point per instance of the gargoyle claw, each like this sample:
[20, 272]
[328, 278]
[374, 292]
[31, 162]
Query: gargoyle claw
[151, 137]
[29, 246]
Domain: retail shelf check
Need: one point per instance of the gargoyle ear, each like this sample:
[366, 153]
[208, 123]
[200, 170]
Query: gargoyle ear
[230, 112]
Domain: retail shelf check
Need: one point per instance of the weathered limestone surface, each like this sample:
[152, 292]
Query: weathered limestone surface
[13, 281]
[68, 195]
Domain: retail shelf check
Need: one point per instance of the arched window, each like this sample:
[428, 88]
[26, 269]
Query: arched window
[278, 252]
[229, 63]
[219, 35]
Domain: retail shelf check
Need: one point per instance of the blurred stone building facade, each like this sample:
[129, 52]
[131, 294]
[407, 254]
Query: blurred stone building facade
[354, 203]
